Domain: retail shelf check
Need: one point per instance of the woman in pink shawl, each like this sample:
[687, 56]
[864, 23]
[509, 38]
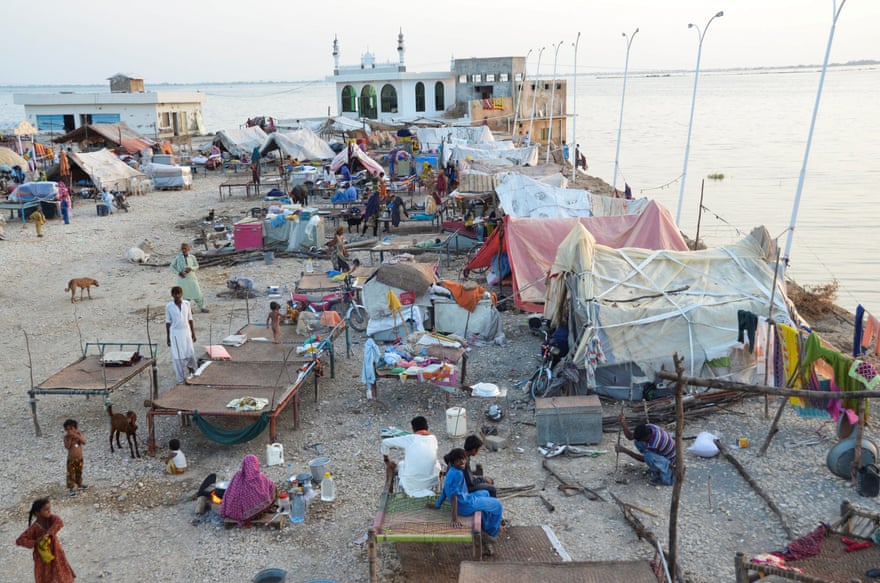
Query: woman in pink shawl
[249, 493]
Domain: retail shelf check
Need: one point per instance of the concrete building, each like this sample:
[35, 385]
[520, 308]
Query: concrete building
[485, 90]
[157, 114]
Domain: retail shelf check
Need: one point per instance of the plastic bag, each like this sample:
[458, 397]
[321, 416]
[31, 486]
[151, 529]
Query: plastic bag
[705, 446]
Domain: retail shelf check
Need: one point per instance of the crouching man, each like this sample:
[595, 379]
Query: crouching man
[656, 448]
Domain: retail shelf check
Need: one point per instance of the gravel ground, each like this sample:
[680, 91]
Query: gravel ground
[134, 524]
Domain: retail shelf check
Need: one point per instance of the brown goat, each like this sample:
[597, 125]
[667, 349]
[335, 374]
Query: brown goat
[126, 424]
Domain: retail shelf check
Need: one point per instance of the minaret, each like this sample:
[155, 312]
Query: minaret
[335, 55]
[401, 67]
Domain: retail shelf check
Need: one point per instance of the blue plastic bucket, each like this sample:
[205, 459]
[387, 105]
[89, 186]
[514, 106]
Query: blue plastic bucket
[270, 576]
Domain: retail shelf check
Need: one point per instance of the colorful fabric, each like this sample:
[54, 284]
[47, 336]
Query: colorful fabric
[74, 472]
[840, 365]
[56, 571]
[865, 373]
[44, 549]
[660, 442]
[471, 502]
[857, 331]
[807, 546]
[249, 493]
[787, 343]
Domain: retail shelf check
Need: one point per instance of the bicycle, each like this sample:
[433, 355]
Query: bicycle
[469, 256]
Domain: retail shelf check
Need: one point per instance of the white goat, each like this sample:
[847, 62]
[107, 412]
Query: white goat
[141, 253]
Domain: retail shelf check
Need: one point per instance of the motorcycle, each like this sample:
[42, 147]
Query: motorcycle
[355, 314]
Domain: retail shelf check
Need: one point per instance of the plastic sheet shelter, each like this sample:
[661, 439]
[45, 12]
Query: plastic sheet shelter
[648, 304]
[531, 244]
[239, 142]
[111, 135]
[352, 151]
[301, 145]
[105, 169]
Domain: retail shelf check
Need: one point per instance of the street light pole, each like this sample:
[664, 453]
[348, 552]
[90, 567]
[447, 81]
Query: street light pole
[629, 41]
[575, 108]
[800, 185]
[519, 96]
[535, 94]
[552, 96]
[687, 148]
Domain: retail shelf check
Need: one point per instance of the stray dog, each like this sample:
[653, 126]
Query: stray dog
[126, 424]
[141, 253]
[83, 283]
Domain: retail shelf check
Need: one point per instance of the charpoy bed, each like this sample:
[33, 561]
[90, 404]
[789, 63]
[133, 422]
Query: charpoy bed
[90, 376]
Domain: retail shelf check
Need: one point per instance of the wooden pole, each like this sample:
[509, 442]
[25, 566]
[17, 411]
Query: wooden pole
[860, 429]
[763, 390]
[774, 428]
[33, 397]
[679, 465]
[758, 490]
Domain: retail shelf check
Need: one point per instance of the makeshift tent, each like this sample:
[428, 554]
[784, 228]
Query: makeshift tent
[352, 151]
[30, 191]
[24, 128]
[522, 196]
[11, 158]
[643, 305]
[432, 138]
[301, 144]
[494, 152]
[104, 169]
[239, 142]
[109, 135]
[531, 244]
[406, 276]
[166, 176]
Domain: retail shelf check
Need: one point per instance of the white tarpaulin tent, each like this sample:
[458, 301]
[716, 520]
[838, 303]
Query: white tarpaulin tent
[301, 144]
[431, 138]
[645, 305]
[502, 152]
[105, 169]
[342, 157]
[167, 176]
[522, 197]
[238, 142]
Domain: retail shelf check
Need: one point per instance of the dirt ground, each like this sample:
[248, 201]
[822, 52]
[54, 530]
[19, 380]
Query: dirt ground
[135, 524]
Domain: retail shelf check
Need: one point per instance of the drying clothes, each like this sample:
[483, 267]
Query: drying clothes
[594, 356]
[840, 365]
[464, 297]
[865, 373]
[869, 335]
[371, 360]
[857, 332]
[747, 325]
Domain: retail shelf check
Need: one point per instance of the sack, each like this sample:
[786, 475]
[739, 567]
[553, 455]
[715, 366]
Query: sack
[705, 446]
[868, 481]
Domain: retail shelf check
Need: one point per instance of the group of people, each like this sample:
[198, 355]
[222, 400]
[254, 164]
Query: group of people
[418, 474]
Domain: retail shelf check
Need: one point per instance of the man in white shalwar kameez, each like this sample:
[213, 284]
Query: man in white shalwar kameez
[180, 333]
[419, 471]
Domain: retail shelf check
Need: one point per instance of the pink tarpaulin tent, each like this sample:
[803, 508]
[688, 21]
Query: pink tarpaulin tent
[343, 157]
[531, 245]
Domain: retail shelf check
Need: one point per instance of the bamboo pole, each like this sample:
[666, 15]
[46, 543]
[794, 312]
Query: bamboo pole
[764, 390]
[774, 428]
[679, 465]
[758, 490]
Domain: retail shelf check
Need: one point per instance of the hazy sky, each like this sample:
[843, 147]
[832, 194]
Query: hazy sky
[73, 42]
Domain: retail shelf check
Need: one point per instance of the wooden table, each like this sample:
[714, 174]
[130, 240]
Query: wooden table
[245, 184]
[407, 244]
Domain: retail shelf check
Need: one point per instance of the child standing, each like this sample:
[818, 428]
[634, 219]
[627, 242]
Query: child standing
[73, 442]
[38, 219]
[50, 562]
[274, 321]
[175, 461]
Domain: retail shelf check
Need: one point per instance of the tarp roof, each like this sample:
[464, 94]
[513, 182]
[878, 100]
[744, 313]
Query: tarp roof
[301, 144]
[531, 244]
[342, 157]
[11, 158]
[24, 128]
[105, 169]
[521, 196]
[646, 304]
[238, 142]
[117, 134]
[504, 152]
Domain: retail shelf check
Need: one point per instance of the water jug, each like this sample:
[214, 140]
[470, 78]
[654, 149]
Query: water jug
[298, 508]
[328, 488]
[274, 454]
[310, 266]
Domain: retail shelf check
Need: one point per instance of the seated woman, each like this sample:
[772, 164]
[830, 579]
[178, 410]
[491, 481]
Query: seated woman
[250, 492]
[466, 503]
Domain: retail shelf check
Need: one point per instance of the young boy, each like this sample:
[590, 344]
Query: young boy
[472, 447]
[73, 442]
[274, 321]
[175, 461]
[465, 503]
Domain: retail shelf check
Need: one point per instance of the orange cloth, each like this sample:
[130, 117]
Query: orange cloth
[330, 318]
[466, 298]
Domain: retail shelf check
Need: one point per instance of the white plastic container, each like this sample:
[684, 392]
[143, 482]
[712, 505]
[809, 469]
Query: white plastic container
[274, 454]
[328, 488]
[456, 421]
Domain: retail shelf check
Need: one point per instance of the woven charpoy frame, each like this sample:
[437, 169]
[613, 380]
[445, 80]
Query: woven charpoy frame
[833, 564]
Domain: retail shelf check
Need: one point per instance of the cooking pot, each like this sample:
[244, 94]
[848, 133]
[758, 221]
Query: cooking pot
[219, 227]
[220, 487]
[304, 477]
